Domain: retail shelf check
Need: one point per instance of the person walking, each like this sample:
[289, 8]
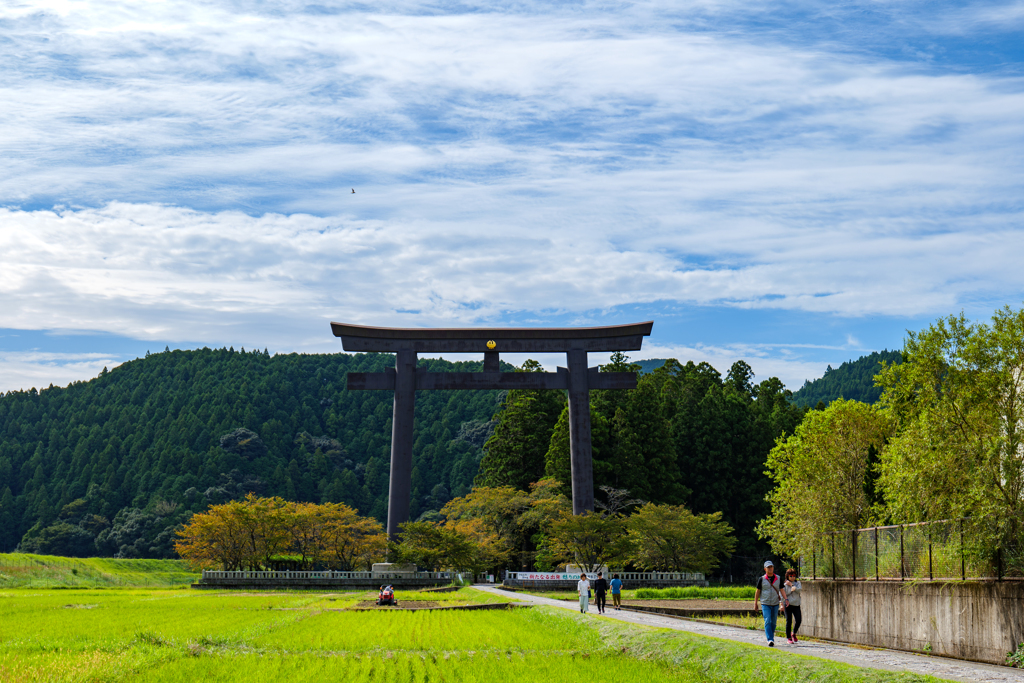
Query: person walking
[793, 616]
[600, 592]
[616, 586]
[583, 588]
[769, 596]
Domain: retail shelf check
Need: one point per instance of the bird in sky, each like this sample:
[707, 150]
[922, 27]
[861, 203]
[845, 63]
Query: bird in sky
[353, 190]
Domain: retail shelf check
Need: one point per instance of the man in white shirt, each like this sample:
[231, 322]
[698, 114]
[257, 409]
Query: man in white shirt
[583, 588]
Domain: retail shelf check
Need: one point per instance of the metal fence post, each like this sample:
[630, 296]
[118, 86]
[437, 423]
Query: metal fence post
[876, 553]
[901, 552]
[999, 564]
[814, 562]
[853, 553]
[963, 558]
[833, 535]
[930, 577]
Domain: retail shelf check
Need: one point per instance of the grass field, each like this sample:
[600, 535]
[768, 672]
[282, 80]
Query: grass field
[696, 593]
[684, 593]
[44, 571]
[176, 635]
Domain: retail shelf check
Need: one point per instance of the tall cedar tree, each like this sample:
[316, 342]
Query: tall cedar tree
[514, 455]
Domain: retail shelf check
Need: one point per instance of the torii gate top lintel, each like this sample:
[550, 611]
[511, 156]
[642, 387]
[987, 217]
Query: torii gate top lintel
[405, 379]
[508, 340]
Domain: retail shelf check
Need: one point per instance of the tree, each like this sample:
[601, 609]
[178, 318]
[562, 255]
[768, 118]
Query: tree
[68, 540]
[514, 517]
[350, 541]
[514, 454]
[250, 533]
[435, 547]
[646, 457]
[958, 403]
[671, 538]
[820, 476]
[212, 539]
[489, 552]
[617, 501]
[589, 540]
[307, 526]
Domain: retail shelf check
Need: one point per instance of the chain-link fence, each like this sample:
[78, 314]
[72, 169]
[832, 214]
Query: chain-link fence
[942, 550]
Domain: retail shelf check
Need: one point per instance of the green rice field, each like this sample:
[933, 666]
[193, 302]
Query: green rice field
[184, 635]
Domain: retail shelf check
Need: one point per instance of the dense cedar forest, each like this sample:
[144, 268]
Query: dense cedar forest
[686, 435]
[854, 380]
[115, 464]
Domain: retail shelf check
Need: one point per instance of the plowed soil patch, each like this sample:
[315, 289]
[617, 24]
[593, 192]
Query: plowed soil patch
[402, 604]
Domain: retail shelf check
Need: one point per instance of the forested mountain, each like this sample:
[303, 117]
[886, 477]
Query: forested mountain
[114, 464]
[650, 364]
[686, 435]
[853, 379]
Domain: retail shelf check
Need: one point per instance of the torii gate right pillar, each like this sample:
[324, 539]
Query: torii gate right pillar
[580, 445]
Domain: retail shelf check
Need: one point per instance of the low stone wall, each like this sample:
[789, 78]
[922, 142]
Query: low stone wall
[317, 584]
[976, 620]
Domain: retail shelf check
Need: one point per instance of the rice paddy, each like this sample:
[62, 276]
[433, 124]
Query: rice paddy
[175, 635]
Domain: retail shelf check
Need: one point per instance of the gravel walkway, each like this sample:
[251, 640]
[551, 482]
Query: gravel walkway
[889, 660]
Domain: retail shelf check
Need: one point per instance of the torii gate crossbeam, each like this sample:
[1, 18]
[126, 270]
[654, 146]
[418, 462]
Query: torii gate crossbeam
[405, 379]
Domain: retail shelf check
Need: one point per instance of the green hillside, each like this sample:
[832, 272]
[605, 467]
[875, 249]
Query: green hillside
[18, 570]
[114, 464]
[854, 379]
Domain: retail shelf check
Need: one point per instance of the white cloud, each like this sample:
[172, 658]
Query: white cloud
[26, 370]
[157, 272]
[509, 161]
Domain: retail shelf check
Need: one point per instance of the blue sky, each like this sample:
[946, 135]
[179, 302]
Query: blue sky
[794, 184]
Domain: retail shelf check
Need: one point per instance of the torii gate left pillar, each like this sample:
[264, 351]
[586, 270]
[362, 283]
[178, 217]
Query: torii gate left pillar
[405, 380]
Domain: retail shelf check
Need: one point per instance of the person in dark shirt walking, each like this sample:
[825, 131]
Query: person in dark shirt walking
[600, 588]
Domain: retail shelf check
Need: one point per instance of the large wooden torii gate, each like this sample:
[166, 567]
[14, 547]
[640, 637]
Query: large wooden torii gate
[405, 379]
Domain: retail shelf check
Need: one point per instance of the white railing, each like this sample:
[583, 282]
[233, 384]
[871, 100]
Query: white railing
[634, 577]
[325, 575]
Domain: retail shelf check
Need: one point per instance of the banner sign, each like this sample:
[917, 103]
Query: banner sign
[547, 576]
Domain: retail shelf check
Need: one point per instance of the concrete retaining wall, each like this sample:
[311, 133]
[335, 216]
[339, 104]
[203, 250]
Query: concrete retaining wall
[979, 621]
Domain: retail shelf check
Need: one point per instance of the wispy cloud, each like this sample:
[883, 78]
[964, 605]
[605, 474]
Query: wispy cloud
[24, 370]
[183, 170]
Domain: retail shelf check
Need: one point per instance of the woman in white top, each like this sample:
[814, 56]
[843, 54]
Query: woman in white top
[583, 588]
[792, 593]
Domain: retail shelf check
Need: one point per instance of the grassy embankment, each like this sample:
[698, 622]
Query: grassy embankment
[19, 570]
[683, 593]
[174, 635]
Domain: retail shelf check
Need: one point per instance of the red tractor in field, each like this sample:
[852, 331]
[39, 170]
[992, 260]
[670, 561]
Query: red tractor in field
[386, 596]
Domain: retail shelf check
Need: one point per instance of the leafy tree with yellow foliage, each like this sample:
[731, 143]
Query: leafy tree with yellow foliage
[249, 533]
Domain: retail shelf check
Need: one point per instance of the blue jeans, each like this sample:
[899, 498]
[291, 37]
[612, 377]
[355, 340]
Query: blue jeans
[771, 615]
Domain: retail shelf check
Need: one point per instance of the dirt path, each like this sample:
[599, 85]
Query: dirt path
[888, 660]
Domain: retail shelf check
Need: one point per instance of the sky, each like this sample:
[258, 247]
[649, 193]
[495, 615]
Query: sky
[791, 184]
